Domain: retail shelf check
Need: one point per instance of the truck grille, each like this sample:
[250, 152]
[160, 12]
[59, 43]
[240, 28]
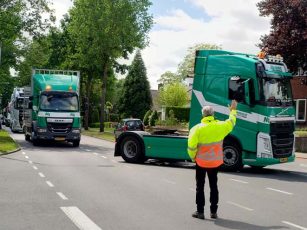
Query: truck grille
[59, 127]
[282, 138]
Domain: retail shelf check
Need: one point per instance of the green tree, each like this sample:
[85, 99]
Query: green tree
[174, 94]
[136, 98]
[106, 30]
[169, 77]
[288, 35]
[153, 118]
[186, 67]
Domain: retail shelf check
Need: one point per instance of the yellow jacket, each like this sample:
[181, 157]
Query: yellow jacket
[209, 131]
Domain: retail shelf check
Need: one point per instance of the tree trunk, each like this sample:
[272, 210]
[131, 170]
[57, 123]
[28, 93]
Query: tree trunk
[103, 95]
[87, 102]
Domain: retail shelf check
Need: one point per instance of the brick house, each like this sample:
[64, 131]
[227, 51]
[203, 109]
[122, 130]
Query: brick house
[299, 90]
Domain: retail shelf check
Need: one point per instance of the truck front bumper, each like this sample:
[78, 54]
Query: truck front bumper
[268, 161]
[44, 134]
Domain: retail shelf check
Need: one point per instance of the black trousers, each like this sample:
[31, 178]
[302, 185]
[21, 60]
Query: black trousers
[200, 185]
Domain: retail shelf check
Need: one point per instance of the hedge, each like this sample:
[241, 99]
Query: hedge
[181, 114]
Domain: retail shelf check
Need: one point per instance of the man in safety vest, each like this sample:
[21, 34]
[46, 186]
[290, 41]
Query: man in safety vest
[205, 147]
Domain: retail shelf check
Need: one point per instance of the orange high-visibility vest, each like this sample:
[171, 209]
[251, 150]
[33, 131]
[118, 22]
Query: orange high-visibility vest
[210, 155]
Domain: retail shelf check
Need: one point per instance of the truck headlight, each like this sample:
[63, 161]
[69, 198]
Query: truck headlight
[264, 147]
[41, 130]
[76, 131]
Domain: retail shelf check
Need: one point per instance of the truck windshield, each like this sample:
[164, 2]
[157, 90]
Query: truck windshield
[67, 102]
[275, 92]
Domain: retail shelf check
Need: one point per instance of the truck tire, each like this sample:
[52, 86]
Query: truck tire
[232, 156]
[76, 143]
[131, 150]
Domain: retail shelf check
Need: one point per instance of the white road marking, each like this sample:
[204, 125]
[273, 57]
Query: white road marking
[240, 206]
[62, 196]
[49, 184]
[169, 181]
[79, 218]
[240, 181]
[41, 175]
[23, 153]
[26, 157]
[95, 154]
[294, 225]
[35, 167]
[30, 162]
[104, 157]
[277, 190]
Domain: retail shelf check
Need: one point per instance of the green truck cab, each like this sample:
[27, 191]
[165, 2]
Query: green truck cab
[53, 109]
[263, 134]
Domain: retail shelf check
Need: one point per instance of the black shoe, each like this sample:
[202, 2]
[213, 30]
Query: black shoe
[213, 215]
[198, 215]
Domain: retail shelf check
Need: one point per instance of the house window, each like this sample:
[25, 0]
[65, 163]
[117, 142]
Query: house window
[301, 110]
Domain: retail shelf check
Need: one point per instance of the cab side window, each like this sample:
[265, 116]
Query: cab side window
[236, 89]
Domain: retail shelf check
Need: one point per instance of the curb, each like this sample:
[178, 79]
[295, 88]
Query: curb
[13, 151]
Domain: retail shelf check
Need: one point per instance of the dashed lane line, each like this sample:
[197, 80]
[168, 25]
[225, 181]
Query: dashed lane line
[240, 206]
[23, 153]
[62, 196]
[30, 162]
[79, 218]
[169, 181]
[104, 157]
[41, 174]
[26, 157]
[49, 184]
[239, 181]
[34, 167]
[280, 191]
[294, 225]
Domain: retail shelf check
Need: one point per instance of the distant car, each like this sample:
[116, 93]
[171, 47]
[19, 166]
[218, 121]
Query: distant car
[128, 124]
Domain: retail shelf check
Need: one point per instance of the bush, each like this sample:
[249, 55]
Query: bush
[153, 117]
[146, 117]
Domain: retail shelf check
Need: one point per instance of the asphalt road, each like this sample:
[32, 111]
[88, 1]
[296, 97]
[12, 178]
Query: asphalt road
[57, 186]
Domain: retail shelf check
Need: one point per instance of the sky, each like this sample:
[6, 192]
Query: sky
[179, 24]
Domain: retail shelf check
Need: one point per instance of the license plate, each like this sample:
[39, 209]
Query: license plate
[282, 160]
[59, 138]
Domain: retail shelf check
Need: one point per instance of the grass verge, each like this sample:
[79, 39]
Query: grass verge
[7, 144]
[94, 132]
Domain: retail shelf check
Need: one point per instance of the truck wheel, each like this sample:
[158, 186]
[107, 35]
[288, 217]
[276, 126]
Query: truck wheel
[232, 157]
[76, 143]
[131, 150]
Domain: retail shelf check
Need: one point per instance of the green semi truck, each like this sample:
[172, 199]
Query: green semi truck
[263, 134]
[53, 110]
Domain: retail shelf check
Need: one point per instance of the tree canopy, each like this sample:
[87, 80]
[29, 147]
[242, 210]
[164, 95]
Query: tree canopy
[174, 94]
[106, 30]
[136, 98]
[288, 35]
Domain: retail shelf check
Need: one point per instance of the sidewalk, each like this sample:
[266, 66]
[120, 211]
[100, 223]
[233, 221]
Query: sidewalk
[301, 155]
